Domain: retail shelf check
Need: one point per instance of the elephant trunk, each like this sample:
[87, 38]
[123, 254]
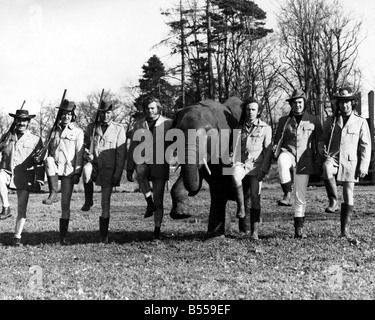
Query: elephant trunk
[190, 170]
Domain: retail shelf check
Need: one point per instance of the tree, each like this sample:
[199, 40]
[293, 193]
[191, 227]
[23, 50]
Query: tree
[153, 83]
[319, 42]
[235, 26]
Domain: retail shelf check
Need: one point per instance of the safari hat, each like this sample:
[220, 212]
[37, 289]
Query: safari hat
[67, 105]
[345, 94]
[298, 93]
[22, 114]
[105, 106]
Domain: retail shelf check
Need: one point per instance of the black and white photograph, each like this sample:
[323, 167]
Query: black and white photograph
[191, 156]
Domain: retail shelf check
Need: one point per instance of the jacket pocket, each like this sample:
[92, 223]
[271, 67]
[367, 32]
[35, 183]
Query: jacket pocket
[307, 130]
[352, 135]
[352, 157]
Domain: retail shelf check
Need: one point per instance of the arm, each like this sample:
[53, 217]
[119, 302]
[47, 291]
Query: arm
[267, 150]
[324, 137]
[79, 151]
[39, 168]
[130, 164]
[120, 155]
[364, 148]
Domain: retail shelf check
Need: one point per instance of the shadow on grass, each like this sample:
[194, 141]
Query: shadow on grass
[88, 237]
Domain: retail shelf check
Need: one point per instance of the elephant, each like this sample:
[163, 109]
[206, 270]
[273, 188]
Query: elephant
[204, 116]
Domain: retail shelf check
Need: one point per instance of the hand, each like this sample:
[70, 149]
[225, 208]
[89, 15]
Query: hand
[129, 176]
[38, 185]
[261, 175]
[325, 153]
[37, 160]
[116, 180]
[2, 146]
[361, 174]
[75, 178]
[88, 157]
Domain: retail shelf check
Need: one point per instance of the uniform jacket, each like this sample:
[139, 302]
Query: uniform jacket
[351, 146]
[108, 151]
[67, 148]
[159, 169]
[17, 160]
[256, 147]
[301, 141]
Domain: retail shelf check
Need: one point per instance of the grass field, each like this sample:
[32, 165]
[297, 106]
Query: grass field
[183, 265]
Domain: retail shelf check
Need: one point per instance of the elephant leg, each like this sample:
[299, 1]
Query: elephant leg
[216, 221]
[179, 197]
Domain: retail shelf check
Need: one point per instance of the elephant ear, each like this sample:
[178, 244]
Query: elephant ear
[218, 111]
[177, 118]
[235, 106]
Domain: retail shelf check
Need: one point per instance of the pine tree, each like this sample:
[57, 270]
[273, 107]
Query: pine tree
[153, 83]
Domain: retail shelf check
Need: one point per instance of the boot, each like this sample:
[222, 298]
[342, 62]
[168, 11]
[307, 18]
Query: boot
[6, 213]
[244, 223]
[53, 185]
[298, 228]
[346, 212]
[331, 188]
[150, 207]
[103, 229]
[286, 200]
[254, 220]
[17, 242]
[157, 234]
[240, 202]
[64, 224]
[89, 191]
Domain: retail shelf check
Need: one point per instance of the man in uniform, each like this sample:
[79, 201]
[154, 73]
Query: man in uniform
[106, 162]
[298, 134]
[64, 162]
[151, 169]
[18, 170]
[346, 148]
[255, 141]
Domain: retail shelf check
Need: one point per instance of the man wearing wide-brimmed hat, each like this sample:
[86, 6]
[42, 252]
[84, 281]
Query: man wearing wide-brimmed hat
[18, 170]
[346, 148]
[64, 162]
[105, 161]
[298, 134]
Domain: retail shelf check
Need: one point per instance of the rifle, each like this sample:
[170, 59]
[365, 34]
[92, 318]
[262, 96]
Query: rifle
[5, 138]
[276, 151]
[40, 154]
[96, 122]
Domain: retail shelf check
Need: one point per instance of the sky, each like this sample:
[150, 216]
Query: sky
[47, 46]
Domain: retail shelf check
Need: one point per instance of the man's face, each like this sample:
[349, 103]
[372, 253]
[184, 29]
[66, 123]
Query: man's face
[66, 118]
[151, 111]
[22, 124]
[345, 107]
[298, 105]
[252, 111]
[106, 116]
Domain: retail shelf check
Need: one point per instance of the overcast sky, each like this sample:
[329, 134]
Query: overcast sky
[47, 46]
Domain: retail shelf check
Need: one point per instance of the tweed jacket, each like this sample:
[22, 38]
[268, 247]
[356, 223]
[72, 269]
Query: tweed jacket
[256, 147]
[67, 148]
[17, 160]
[301, 141]
[159, 167]
[108, 152]
[350, 146]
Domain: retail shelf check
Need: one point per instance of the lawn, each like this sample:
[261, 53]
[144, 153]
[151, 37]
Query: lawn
[183, 265]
